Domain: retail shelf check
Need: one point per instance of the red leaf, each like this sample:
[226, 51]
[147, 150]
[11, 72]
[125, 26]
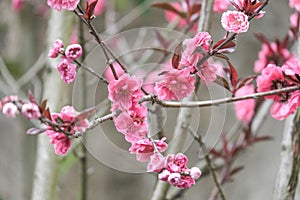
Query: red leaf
[246, 81]
[262, 38]
[234, 77]
[43, 105]
[89, 9]
[47, 114]
[229, 47]
[85, 114]
[216, 154]
[169, 7]
[177, 56]
[32, 98]
[222, 82]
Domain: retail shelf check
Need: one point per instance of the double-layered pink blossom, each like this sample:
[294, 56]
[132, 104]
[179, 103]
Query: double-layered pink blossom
[295, 4]
[235, 21]
[56, 48]
[67, 70]
[63, 4]
[73, 51]
[175, 85]
[244, 110]
[176, 163]
[67, 122]
[144, 148]
[124, 91]
[157, 163]
[31, 111]
[10, 110]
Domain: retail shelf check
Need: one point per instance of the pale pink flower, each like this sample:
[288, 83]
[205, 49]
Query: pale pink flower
[221, 5]
[176, 85]
[124, 91]
[244, 110]
[235, 21]
[31, 111]
[195, 173]
[208, 72]
[17, 4]
[201, 39]
[271, 54]
[60, 141]
[63, 4]
[108, 72]
[67, 70]
[56, 48]
[156, 164]
[68, 114]
[144, 148]
[7, 99]
[176, 163]
[164, 175]
[295, 4]
[174, 178]
[292, 66]
[10, 110]
[73, 51]
[185, 182]
[281, 110]
[294, 19]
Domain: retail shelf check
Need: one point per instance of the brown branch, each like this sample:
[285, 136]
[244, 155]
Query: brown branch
[216, 102]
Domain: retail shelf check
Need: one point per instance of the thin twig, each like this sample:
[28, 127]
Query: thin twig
[216, 102]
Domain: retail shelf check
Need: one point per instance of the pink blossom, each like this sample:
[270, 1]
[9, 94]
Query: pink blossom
[7, 99]
[144, 148]
[294, 18]
[235, 21]
[10, 110]
[164, 175]
[176, 163]
[124, 90]
[271, 54]
[63, 4]
[174, 178]
[201, 39]
[185, 182]
[208, 71]
[31, 111]
[281, 110]
[156, 163]
[61, 142]
[108, 73]
[17, 4]
[195, 173]
[57, 46]
[244, 110]
[221, 5]
[292, 66]
[176, 85]
[73, 51]
[68, 114]
[67, 70]
[295, 4]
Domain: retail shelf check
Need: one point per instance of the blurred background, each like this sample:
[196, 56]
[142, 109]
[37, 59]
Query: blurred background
[112, 172]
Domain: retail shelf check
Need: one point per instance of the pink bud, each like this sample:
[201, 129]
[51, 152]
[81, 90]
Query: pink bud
[195, 173]
[56, 48]
[31, 111]
[10, 110]
[174, 179]
[73, 51]
[164, 175]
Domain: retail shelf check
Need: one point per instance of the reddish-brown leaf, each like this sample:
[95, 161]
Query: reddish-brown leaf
[196, 8]
[47, 114]
[85, 114]
[222, 82]
[246, 81]
[177, 56]
[43, 105]
[234, 77]
[32, 98]
[169, 7]
[236, 170]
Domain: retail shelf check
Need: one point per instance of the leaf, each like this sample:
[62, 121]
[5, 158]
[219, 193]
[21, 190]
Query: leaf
[246, 81]
[234, 77]
[216, 153]
[89, 9]
[222, 82]
[229, 47]
[43, 105]
[177, 56]
[47, 114]
[169, 7]
[85, 114]
[35, 131]
[32, 98]
[256, 6]
[196, 8]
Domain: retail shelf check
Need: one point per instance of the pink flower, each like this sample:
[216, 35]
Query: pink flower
[7, 99]
[31, 111]
[221, 5]
[195, 173]
[244, 110]
[68, 114]
[67, 70]
[164, 175]
[108, 73]
[17, 4]
[292, 66]
[294, 19]
[57, 46]
[144, 148]
[281, 110]
[271, 54]
[156, 163]
[63, 4]
[185, 182]
[10, 110]
[295, 4]
[209, 70]
[174, 178]
[73, 51]
[176, 85]
[235, 21]
[61, 142]
[124, 91]
[202, 39]
[176, 163]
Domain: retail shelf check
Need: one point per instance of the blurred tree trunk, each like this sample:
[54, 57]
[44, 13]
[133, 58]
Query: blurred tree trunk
[57, 92]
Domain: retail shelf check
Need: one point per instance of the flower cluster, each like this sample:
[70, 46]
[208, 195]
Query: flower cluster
[68, 124]
[11, 106]
[173, 169]
[63, 4]
[65, 67]
[274, 77]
